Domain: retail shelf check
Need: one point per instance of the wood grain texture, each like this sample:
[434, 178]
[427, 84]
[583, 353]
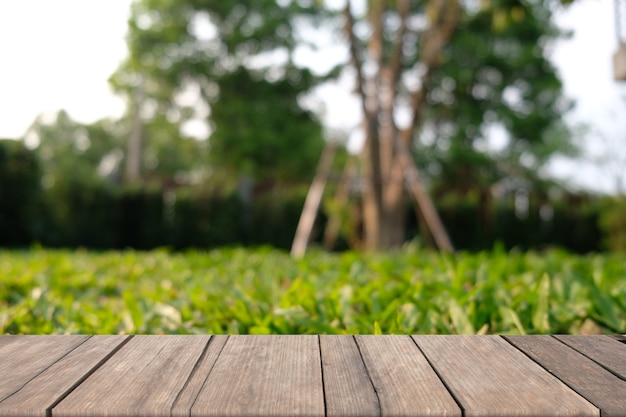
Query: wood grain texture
[605, 350]
[347, 387]
[596, 384]
[619, 337]
[40, 393]
[22, 358]
[489, 377]
[143, 378]
[405, 383]
[4, 339]
[264, 376]
[182, 405]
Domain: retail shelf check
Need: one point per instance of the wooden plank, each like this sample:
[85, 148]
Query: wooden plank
[619, 337]
[264, 376]
[405, 383]
[489, 377]
[605, 350]
[51, 385]
[596, 384]
[182, 405]
[5, 339]
[347, 387]
[22, 358]
[142, 379]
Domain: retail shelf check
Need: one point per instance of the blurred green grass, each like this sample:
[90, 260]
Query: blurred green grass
[265, 291]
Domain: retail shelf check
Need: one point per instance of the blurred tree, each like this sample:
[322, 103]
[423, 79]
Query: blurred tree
[225, 70]
[434, 77]
[495, 109]
[92, 153]
[70, 149]
[76, 162]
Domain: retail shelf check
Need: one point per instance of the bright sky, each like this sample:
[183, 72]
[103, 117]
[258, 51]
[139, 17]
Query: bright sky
[59, 54]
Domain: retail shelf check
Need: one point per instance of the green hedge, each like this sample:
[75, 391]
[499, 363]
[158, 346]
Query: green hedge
[139, 220]
[90, 212]
[98, 216]
[198, 219]
[75, 213]
[571, 226]
[20, 191]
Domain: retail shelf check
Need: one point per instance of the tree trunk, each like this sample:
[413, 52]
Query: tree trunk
[385, 145]
[133, 154]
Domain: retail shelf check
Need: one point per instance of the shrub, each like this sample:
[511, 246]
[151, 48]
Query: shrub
[20, 191]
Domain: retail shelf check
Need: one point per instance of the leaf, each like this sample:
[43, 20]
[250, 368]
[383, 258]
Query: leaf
[171, 316]
[263, 291]
[460, 320]
[541, 312]
[377, 330]
[605, 306]
[134, 320]
[510, 316]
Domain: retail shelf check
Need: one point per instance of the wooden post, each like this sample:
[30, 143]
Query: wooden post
[312, 202]
[341, 198]
[424, 202]
[133, 154]
[619, 62]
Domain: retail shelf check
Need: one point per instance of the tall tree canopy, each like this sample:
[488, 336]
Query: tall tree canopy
[72, 151]
[435, 78]
[228, 66]
[445, 72]
[495, 74]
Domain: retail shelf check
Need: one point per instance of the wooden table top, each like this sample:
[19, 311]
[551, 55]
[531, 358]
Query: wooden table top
[312, 376]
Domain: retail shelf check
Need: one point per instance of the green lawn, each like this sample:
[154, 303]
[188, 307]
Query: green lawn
[265, 291]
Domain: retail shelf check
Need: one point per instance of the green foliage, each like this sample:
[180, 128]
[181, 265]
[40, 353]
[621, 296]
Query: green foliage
[76, 212]
[571, 223]
[202, 219]
[275, 217]
[96, 154]
[227, 65]
[496, 73]
[141, 219]
[612, 221]
[70, 151]
[264, 291]
[92, 213]
[261, 131]
[20, 191]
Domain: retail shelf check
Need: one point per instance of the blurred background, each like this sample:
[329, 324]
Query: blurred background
[198, 123]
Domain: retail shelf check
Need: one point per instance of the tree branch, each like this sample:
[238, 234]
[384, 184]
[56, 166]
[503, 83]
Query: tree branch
[446, 20]
[395, 64]
[354, 56]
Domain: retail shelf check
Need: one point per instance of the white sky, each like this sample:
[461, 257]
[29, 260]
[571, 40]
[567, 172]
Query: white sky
[59, 54]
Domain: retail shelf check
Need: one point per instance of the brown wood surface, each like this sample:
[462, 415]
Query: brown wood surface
[184, 402]
[264, 376]
[405, 383]
[25, 357]
[142, 379]
[347, 387]
[489, 377]
[311, 375]
[41, 393]
[5, 339]
[605, 350]
[596, 384]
